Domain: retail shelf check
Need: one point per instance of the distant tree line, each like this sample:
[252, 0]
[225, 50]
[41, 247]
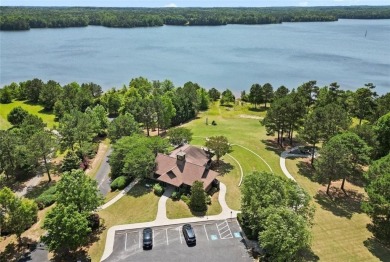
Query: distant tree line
[24, 18]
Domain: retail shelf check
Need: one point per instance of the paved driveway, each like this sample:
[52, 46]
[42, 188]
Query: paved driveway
[102, 174]
[217, 241]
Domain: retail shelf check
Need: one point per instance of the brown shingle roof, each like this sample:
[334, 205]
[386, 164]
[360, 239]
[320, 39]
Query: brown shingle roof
[194, 155]
[176, 172]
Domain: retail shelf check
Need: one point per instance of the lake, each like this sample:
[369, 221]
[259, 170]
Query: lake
[232, 56]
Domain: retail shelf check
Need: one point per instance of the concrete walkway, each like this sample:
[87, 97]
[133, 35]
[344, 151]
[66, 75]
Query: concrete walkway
[162, 220]
[162, 209]
[119, 196]
[282, 161]
[29, 184]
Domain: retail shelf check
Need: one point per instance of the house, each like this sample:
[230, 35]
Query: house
[184, 166]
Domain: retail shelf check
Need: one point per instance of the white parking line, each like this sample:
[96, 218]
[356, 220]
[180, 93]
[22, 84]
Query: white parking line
[218, 230]
[153, 235]
[206, 232]
[227, 230]
[126, 242]
[166, 233]
[181, 240]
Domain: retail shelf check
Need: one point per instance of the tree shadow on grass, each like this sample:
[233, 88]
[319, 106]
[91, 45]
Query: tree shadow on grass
[18, 251]
[261, 109]
[307, 170]
[140, 189]
[272, 145]
[43, 111]
[340, 204]
[198, 214]
[36, 191]
[377, 249]
[309, 255]
[222, 167]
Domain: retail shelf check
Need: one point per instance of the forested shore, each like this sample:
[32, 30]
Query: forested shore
[24, 18]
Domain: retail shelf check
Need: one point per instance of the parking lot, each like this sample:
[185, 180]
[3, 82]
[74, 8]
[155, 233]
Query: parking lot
[216, 241]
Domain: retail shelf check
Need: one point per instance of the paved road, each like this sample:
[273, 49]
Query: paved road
[102, 174]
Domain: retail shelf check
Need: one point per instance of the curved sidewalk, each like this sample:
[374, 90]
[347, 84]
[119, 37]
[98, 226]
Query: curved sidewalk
[162, 220]
[282, 161]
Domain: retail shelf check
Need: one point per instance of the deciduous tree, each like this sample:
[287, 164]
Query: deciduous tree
[77, 189]
[285, 234]
[179, 135]
[219, 145]
[50, 93]
[16, 214]
[67, 229]
[123, 125]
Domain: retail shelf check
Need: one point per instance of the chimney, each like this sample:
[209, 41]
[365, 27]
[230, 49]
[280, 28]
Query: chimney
[181, 156]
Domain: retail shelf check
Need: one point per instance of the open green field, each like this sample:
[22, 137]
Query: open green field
[241, 126]
[339, 231]
[48, 118]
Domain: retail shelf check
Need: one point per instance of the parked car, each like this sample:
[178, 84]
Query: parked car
[189, 234]
[147, 238]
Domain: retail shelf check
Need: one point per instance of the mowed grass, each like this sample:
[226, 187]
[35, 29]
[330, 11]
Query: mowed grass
[339, 231]
[37, 110]
[231, 179]
[179, 209]
[233, 122]
[139, 205]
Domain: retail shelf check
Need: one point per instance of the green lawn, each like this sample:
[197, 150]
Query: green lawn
[48, 118]
[231, 178]
[248, 132]
[139, 205]
[179, 209]
[339, 230]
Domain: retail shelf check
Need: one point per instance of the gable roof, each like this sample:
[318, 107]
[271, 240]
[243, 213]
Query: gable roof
[176, 172]
[193, 154]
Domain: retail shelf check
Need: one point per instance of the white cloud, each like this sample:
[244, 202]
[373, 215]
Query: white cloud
[304, 3]
[170, 5]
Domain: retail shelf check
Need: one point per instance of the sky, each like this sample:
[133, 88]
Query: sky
[191, 3]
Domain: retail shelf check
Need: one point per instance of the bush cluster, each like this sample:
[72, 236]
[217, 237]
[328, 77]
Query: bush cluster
[208, 200]
[119, 183]
[185, 199]
[47, 198]
[158, 189]
[176, 195]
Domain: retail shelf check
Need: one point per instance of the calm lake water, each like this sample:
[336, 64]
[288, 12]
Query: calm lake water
[233, 56]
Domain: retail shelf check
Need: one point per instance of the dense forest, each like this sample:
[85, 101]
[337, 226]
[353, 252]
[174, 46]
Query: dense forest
[24, 18]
